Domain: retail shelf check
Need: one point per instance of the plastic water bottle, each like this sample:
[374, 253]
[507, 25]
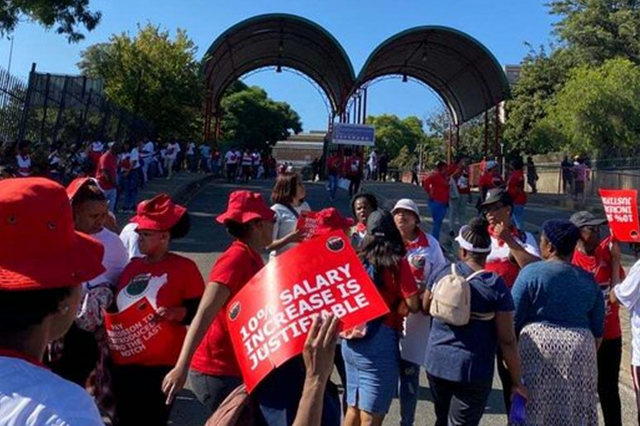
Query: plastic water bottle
[518, 413]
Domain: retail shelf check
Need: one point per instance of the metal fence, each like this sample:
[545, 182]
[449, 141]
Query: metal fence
[62, 108]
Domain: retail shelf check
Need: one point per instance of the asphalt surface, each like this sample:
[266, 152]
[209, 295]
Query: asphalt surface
[207, 240]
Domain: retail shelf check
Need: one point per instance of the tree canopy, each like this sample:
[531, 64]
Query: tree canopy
[556, 102]
[67, 16]
[254, 120]
[152, 75]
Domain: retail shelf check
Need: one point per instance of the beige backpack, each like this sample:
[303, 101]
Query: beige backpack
[451, 299]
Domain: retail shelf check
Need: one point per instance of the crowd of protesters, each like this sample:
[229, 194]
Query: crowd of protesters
[544, 312]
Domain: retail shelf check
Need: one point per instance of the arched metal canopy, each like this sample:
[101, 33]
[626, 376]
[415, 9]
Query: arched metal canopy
[279, 40]
[459, 68]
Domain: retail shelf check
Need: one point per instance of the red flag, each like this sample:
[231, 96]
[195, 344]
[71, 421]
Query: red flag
[269, 318]
[621, 208]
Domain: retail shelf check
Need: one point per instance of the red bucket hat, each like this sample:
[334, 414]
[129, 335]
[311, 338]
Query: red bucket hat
[329, 220]
[158, 214]
[245, 206]
[39, 249]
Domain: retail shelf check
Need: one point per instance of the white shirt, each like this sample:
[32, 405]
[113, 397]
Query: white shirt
[148, 149]
[628, 294]
[134, 158]
[129, 238]
[191, 148]
[114, 260]
[34, 396]
[423, 259]
[500, 252]
[172, 150]
[285, 224]
[231, 158]
[24, 165]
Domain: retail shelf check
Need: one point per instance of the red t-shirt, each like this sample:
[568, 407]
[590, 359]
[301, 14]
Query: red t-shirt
[108, 162]
[600, 266]
[334, 164]
[397, 287]
[488, 181]
[215, 355]
[437, 186]
[515, 187]
[168, 283]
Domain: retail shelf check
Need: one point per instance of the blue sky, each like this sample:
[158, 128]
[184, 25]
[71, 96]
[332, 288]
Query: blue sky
[504, 26]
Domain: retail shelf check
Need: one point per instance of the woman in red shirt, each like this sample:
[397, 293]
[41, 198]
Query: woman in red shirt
[515, 188]
[207, 355]
[437, 186]
[372, 361]
[173, 285]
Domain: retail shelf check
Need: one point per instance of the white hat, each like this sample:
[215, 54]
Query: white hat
[407, 204]
[467, 245]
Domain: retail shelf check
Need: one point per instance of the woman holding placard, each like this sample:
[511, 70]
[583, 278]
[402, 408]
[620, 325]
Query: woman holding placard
[288, 198]
[212, 366]
[172, 285]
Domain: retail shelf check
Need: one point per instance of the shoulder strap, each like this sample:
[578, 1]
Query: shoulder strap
[475, 274]
[291, 209]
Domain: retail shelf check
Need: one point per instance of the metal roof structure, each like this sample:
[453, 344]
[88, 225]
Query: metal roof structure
[459, 68]
[462, 72]
[279, 40]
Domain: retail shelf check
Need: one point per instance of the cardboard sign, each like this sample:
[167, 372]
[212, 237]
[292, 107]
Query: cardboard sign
[621, 208]
[269, 318]
[137, 336]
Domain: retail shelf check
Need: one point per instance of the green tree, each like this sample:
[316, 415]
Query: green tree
[252, 119]
[66, 15]
[392, 133]
[597, 30]
[152, 75]
[598, 110]
[542, 76]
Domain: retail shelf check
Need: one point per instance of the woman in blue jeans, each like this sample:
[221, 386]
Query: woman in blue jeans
[460, 359]
[372, 360]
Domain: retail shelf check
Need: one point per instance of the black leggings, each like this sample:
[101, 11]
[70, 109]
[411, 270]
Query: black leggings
[137, 391]
[609, 356]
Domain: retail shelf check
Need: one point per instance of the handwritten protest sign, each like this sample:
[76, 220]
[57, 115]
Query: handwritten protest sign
[136, 336]
[269, 318]
[621, 208]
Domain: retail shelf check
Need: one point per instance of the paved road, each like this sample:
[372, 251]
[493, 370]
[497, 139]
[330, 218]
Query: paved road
[207, 240]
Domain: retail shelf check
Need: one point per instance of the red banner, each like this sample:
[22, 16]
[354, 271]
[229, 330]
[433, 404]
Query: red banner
[137, 336]
[621, 208]
[269, 318]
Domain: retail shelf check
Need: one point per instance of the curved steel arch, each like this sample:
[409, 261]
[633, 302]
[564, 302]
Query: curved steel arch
[460, 69]
[279, 40]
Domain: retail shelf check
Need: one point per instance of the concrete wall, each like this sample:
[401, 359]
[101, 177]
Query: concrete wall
[550, 180]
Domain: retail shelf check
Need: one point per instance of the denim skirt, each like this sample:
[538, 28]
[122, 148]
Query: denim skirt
[373, 368]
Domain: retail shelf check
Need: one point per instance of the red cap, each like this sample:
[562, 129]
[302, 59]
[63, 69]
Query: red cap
[158, 213]
[39, 249]
[245, 206]
[329, 220]
[77, 184]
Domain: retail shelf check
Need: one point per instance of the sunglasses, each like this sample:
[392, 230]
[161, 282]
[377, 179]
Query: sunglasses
[591, 228]
[493, 207]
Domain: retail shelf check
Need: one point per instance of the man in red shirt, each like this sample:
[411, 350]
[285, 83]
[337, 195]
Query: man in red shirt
[601, 257]
[107, 173]
[437, 186]
[515, 188]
